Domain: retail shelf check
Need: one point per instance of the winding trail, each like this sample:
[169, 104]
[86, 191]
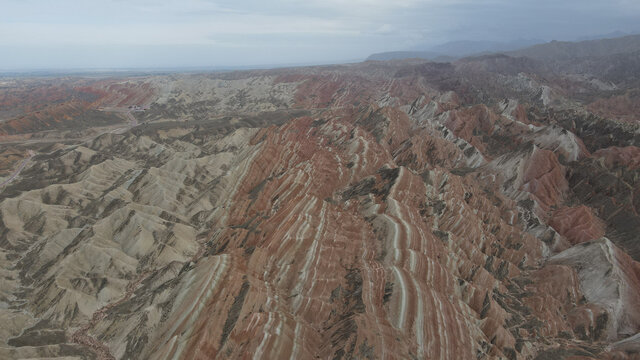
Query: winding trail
[23, 163]
[81, 336]
[133, 122]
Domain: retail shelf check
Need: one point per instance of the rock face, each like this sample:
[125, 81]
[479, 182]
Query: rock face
[372, 211]
[608, 279]
[577, 224]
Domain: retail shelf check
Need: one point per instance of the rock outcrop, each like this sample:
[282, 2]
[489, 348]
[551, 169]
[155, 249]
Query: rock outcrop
[373, 211]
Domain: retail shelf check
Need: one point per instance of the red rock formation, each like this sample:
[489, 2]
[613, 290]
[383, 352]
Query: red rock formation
[520, 114]
[425, 151]
[469, 123]
[544, 178]
[122, 93]
[58, 116]
[70, 105]
[628, 157]
[622, 107]
[578, 224]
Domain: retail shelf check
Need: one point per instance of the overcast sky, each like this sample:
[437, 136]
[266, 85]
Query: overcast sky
[48, 34]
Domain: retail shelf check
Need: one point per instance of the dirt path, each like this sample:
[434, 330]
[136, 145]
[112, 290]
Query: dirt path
[23, 163]
[81, 336]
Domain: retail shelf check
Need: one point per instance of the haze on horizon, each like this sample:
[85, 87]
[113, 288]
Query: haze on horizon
[89, 34]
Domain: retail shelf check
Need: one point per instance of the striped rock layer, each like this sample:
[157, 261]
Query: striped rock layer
[373, 212]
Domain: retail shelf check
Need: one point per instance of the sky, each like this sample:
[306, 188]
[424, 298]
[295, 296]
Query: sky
[111, 34]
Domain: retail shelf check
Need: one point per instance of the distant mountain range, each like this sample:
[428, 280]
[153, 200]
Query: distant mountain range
[456, 49]
[599, 45]
[611, 35]
[565, 50]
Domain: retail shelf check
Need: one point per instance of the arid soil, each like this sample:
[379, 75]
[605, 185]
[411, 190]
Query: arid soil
[481, 209]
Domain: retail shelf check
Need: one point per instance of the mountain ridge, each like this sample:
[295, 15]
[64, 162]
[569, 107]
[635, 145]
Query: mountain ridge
[598, 46]
[487, 208]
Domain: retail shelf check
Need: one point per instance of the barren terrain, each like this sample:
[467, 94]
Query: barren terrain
[482, 209]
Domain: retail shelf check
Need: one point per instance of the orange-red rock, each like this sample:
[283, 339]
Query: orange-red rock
[578, 224]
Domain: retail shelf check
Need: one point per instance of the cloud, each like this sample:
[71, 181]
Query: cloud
[185, 33]
[385, 29]
[326, 29]
[365, 5]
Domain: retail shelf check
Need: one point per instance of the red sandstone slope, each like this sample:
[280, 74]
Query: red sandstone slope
[577, 224]
[623, 107]
[68, 104]
[628, 157]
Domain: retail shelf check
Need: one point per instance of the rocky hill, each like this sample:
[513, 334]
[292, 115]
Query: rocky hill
[483, 209]
[453, 50]
[566, 50]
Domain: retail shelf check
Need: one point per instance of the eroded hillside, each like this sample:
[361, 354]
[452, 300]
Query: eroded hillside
[472, 210]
